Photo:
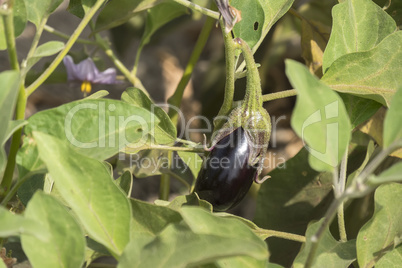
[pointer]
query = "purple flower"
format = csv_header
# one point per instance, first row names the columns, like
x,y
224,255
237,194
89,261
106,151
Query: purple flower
x,y
88,73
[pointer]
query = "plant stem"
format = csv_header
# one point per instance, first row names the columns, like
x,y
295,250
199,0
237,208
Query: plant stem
x,y
279,95
51,30
205,11
88,16
175,99
284,235
21,102
341,190
164,188
230,76
8,21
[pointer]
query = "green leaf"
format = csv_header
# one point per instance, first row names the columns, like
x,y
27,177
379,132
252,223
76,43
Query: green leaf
x,y
296,194
393,124
8,96
13,126
179,246
165,131
189,200
258,17
80,7
193,161
201,221
95,128
40,9
98,94
14,225
358,25
330,253
319,118
393,174
359,109
19,20
244,262
377,236
28,158
30,187
65,246
47,49
392,259
86,185
118,12
159,16
372,74
125,182
151,219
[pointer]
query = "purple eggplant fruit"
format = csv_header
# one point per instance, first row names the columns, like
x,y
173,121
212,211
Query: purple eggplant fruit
x,y
226,175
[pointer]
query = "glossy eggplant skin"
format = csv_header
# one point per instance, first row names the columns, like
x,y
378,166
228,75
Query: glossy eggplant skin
x,y
226,177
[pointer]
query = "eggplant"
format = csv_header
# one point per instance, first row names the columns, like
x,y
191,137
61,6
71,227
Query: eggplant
x,y
226,175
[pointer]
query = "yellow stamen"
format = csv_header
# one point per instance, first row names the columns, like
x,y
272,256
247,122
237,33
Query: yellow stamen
x,y
86,87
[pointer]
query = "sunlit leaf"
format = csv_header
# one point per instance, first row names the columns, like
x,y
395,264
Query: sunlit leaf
x,y
65,246
86,185
372,74
392,259
358,25
319,118
98,128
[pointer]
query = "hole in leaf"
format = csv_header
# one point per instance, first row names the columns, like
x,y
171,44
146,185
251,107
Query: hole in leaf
x,y
256,26
139,129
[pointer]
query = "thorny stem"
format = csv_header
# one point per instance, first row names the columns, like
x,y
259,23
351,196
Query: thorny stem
x,y
341,189
230,76
279,95
88,16
205,11
284,235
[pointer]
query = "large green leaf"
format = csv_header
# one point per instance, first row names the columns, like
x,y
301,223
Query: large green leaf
x,y
8,96
293,196
257,19
373,74
392,259
118,12
319,118
378,235
98,128
19,20
393,123
40,9
65,246
358,25
164,132
330,253
179,245
86,185
14,225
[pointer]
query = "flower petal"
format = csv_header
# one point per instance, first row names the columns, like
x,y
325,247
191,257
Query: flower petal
x,y
71,68
106,77
87,70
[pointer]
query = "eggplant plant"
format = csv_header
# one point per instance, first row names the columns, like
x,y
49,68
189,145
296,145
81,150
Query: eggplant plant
x,y
72,176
